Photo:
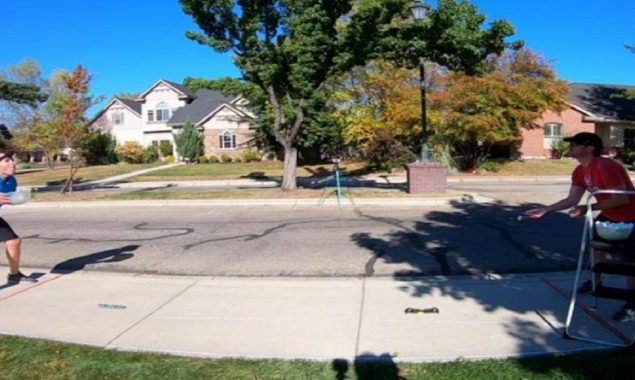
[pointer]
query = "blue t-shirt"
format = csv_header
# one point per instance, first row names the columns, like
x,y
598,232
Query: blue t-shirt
x,y
8,185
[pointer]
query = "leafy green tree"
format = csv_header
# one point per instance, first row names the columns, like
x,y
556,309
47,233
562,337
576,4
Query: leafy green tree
x,y
290,49
27,72
40,134
189,143
227,86
127,95
99,148
21,93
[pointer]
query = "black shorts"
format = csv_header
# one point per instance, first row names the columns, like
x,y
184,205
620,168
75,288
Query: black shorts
x,y
629,242
6,232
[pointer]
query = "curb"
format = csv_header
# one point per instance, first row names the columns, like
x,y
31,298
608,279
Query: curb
x,y
292,202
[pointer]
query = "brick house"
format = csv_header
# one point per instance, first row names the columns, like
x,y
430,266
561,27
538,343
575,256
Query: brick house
x,y
598,108
164,108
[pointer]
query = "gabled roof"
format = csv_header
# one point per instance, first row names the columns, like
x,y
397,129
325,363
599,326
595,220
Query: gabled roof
x,y
182,90
603,102
205,102
133,105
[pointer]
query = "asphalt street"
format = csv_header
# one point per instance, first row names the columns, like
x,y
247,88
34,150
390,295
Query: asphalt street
x,y
285,241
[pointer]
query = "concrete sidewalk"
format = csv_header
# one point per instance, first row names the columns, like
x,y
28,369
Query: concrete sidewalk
x,y
298,318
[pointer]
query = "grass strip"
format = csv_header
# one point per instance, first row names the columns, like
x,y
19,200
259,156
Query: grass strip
x,y
22,358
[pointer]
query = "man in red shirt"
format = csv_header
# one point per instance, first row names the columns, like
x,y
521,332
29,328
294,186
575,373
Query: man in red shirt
x,y
598,173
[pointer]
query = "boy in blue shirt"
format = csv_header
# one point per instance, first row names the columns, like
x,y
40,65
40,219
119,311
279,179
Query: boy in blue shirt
x,y
12,242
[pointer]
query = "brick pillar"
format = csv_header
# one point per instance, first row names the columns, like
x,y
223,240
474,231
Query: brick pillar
x,y
427,177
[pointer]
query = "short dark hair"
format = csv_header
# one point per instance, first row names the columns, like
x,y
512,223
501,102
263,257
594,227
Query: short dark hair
x,y
587,139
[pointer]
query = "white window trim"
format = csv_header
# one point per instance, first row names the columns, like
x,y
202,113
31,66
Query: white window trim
x,y
222,138
550,139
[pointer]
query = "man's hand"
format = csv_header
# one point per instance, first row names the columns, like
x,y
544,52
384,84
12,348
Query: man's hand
x,y
4,200
536,213
577,211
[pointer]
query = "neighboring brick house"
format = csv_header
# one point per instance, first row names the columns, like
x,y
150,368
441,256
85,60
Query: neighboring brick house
x,y
598,108
162,110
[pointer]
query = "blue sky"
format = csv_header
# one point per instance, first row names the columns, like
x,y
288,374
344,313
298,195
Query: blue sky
x,y
129,44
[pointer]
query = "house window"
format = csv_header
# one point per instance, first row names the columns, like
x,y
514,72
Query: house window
x,y
629,138
553,134
150,115
163,112
117,118
227,140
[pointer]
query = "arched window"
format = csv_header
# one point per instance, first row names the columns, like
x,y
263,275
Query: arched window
x,y
227,140
553,134
163,112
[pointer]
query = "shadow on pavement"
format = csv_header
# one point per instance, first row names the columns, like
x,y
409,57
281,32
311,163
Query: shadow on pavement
x,y
108,256
481,239
475,239
368,366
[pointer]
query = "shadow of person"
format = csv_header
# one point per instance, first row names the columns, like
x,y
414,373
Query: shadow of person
x,y
7,285
340,366
369,366
108,256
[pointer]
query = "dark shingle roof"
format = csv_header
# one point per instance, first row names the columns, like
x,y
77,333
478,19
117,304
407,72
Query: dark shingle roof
x,y
604,100
205,102
181,88
132,104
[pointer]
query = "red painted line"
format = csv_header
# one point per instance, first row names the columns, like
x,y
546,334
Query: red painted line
x,y
592,313
30,287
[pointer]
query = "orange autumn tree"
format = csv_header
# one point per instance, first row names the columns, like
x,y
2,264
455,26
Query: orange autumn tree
x,y
380,108
477,112
70,106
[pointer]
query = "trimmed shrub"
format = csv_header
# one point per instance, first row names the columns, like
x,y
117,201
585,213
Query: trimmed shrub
x,y
169,159
203,160
150,154
559,148
387,153
130,152
226,158
213,160
250,155
165,148
491,166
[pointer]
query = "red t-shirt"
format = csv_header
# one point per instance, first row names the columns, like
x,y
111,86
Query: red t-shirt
x,y
605,174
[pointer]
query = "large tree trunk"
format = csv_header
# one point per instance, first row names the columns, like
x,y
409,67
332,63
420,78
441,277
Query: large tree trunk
x,y
289,172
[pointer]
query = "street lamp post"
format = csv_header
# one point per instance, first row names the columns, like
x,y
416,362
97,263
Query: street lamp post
x,y
425,176
419,13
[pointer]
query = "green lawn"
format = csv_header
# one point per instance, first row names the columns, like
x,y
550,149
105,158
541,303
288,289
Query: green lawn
x,y
267,169
273,170
32,359
85,174
262,170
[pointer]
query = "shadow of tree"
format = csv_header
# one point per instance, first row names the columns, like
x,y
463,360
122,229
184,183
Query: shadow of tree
x,y
609,101
255,175
478,239
108,256
76,181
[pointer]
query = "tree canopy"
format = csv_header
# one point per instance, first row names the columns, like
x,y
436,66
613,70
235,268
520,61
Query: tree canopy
x,y
290,49
475,112
21,93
